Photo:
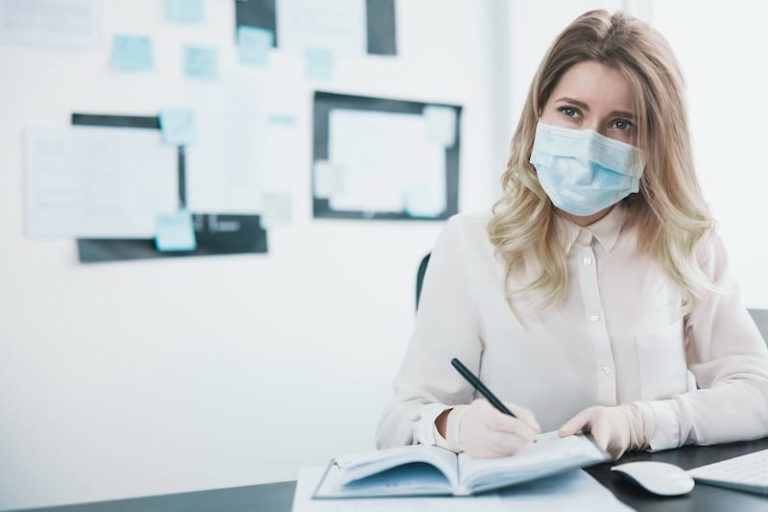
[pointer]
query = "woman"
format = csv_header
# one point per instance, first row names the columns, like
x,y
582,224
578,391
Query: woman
x,y
597,297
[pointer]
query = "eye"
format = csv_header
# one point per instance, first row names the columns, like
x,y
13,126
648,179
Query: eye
x,y
622,124
570,111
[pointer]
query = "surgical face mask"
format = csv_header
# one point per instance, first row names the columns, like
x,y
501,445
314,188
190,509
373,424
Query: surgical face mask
x,y
582,171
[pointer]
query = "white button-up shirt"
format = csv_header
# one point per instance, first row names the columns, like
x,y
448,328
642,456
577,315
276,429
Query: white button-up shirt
x,y
618,336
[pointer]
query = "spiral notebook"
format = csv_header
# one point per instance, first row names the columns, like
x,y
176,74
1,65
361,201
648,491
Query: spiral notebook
x,y
421,470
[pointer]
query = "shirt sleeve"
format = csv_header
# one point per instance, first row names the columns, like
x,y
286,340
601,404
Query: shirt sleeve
x,y
729,358
446,326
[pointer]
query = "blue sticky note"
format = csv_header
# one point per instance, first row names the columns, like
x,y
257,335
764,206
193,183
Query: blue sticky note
x,y
319,65
282,119
131,53
177,126
253,45
175,232
200,62
423,200
185,11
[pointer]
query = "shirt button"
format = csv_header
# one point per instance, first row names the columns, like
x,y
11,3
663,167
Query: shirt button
x,y
595,318
587,260
606,369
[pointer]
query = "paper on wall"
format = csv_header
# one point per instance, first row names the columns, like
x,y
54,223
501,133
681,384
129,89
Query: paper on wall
x,y
338,26
329,179
384,156
276,209
224,164
65,23
94,182
440,125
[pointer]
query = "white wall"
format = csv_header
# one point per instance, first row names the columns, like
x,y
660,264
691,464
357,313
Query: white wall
x,y
154,377
141,378
721,47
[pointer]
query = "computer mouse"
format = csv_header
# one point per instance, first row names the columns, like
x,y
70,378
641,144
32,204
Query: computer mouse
x,y
657,477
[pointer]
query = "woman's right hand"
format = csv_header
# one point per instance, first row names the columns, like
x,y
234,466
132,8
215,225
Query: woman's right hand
x,y
483,432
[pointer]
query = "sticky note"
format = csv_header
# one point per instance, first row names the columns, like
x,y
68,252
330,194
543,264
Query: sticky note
x,y
253,45
282,119
422,200
200,62
329,179
440,125
175,232
185,11
276,209
177,126
131,53
319,64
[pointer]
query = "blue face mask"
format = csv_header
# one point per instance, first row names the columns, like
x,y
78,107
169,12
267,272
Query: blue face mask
x,y
584,172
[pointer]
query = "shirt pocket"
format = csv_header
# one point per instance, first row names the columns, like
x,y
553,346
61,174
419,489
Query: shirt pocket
x,y
662,368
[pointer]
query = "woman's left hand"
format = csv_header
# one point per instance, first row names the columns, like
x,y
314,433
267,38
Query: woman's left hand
x,y
613,428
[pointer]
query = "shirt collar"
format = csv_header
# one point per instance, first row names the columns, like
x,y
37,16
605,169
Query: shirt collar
x,y
605,230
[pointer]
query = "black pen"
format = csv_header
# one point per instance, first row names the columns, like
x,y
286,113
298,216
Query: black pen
x,y
480,387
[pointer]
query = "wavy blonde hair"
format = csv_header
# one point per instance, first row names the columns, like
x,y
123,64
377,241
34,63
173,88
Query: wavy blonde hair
x,y
670,211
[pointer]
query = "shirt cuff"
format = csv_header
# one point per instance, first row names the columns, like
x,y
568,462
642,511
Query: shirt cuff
x,y
666,433
425,431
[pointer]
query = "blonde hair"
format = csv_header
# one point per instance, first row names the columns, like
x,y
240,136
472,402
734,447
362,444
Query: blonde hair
x,y
669,211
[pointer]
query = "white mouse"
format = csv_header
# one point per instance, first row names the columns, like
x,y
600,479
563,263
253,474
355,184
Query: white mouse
x,y
657,477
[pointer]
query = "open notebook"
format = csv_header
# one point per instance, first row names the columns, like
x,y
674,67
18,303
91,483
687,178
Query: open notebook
x,y
421,470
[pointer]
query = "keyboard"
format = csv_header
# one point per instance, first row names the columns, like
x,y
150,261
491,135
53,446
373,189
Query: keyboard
x,y
745,473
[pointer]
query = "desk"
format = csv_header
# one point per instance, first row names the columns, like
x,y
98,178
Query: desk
x,y
278,497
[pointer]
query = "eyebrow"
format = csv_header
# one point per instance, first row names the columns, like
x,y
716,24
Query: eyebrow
x,y
584,106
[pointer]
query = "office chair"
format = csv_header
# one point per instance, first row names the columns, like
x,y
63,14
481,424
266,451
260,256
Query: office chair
x,y
420,276
760,316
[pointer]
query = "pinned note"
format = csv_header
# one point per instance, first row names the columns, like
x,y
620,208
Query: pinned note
x,y
282,119
253,45
319,64
177,126
175,232
422,200
276,210
200,62
131,53
185,11
440,125
329,179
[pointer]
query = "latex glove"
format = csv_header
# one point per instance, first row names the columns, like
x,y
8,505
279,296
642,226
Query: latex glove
x,y
482,431
615,429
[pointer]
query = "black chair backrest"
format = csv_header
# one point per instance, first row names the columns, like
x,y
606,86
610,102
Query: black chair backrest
x,y
420,277
761,319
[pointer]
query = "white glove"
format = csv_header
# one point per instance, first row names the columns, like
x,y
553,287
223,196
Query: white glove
x,y
482,431
615,429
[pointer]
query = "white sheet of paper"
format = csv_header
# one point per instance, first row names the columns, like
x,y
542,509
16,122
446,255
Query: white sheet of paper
x,y
62,23
384,156
97,182
277,209
574,491
336,25
329,179
310,477
223,169
440,125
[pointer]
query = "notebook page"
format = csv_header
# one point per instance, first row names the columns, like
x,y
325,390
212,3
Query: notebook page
x,y
549,455
361,465
310,477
